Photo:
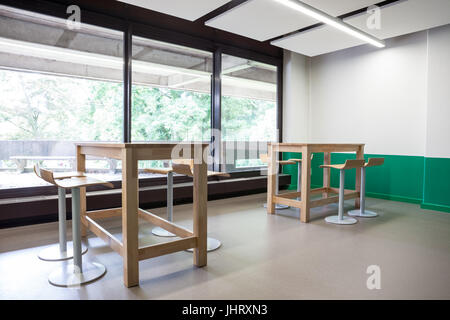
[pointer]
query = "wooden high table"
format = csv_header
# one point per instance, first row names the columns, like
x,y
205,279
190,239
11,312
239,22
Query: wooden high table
x,y
305,203
128,248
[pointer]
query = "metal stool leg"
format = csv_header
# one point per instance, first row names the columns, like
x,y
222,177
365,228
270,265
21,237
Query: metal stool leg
x,y
362,212
79,272
158,231
340,218
277,188
64,250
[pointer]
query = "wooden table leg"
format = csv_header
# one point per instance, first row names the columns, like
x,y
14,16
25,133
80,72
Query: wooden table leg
x,y
81,166
359,155
271,179
130,228
200,213
326,173
306,184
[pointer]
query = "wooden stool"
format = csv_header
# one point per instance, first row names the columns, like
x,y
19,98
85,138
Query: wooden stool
x,y
362,212
349,164
63,250
79,272
184,167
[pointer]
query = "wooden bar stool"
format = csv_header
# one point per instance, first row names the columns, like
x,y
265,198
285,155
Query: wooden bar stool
x,y
79,272
184,167
265,159
63,250
349,164
362,212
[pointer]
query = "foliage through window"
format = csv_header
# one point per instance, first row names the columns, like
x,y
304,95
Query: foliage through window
x,y
59,86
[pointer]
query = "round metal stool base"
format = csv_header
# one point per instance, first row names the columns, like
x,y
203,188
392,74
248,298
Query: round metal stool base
x,y
366,214
160,232
345,220
213,244
66,277
54,254
278,206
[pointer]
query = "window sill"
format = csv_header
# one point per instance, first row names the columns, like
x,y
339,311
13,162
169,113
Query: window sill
x,y
33,209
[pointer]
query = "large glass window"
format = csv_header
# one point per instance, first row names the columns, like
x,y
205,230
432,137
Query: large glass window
x,y
60,85
57,86
171,93
249,108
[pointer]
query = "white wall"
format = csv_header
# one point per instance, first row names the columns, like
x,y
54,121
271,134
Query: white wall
x,y
295,97
438,116
396,99
377,97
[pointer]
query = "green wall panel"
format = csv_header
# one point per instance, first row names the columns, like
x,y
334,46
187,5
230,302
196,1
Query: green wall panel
x,y
400,178
436,191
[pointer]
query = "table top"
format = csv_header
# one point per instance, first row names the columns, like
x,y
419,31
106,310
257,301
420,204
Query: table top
x,y
122,145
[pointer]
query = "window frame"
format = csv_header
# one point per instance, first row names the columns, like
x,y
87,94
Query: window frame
x,y
132,25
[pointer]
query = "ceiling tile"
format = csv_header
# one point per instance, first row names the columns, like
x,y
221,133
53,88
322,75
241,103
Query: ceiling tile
x,y
397,19
267,19
186,9
406,17
318,41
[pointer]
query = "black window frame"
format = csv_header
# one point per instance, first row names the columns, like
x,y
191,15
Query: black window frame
x,y
130,20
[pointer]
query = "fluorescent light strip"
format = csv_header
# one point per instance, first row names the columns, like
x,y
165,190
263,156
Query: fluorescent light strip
x,y
331,21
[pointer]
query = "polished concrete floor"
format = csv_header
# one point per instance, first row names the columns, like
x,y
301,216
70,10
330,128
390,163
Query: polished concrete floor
x,y
263,257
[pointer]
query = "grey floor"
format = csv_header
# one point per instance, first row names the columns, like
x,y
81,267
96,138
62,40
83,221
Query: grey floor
x,y
263,257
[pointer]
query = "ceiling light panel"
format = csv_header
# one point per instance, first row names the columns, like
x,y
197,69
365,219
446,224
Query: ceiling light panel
x,y
267,19
318,41
406,17
396,19
186,9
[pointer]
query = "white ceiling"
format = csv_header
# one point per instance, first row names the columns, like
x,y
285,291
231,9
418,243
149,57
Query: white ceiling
x,y
406,17
397,19
267,19
186,9
318,41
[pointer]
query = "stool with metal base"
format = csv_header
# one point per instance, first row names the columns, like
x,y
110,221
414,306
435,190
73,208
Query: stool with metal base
x,y
265,158
63,250
362,212
299,174
183,167
340,218
79,272
158,231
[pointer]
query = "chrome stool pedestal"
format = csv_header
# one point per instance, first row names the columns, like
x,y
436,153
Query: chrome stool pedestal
x,y
78,272
340,218
183,167
362,212
63,250
158,231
